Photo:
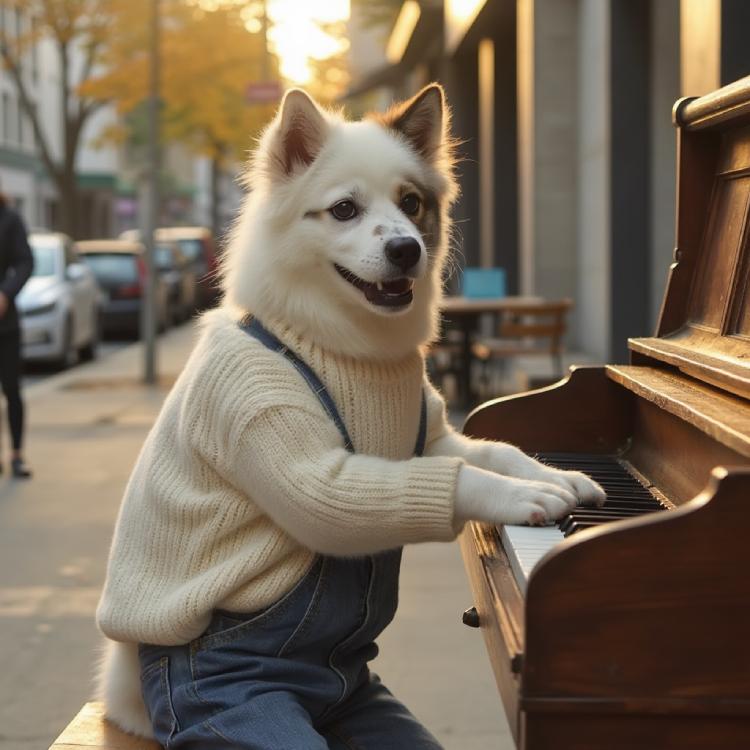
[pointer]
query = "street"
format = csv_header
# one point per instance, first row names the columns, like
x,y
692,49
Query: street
x,y
86,426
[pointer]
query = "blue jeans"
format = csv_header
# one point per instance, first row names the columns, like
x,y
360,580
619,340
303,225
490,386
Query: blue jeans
x,y
293,676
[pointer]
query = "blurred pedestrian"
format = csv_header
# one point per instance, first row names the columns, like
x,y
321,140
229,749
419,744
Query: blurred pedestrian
x,y
16,264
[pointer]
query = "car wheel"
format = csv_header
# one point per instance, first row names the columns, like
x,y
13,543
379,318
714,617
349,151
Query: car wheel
x,y
68,354
88,352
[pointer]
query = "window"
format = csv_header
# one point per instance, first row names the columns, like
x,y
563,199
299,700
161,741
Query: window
x,y
45,257
5,134
11,136
112,268
21,118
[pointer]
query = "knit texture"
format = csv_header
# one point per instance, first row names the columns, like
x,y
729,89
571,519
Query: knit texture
x,y
244,478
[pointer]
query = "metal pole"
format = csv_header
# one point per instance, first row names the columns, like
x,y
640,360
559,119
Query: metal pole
x,y
152,206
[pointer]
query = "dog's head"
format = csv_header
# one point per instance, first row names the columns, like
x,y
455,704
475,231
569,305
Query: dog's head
x,y
343,235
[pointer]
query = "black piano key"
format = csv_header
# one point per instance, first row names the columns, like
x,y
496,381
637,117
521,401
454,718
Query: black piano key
x,y
579,525
638,507
626,496
594,518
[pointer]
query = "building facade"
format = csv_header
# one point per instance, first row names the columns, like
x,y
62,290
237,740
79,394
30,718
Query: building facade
x,y
568,168
22,174
109,177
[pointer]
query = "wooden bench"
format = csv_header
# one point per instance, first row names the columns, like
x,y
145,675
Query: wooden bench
x,y
91,730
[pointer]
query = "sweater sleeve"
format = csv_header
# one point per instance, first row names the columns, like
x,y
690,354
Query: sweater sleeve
x,y
293,465
21,260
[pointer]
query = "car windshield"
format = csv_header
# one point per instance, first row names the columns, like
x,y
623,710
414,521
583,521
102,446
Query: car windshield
x,y
163,257
45,257
112,267
192,249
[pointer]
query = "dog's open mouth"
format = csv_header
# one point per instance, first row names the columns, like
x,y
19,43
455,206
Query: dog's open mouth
x,y
383,293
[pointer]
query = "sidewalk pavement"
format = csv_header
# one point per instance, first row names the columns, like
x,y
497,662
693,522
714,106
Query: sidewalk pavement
x,y
86,427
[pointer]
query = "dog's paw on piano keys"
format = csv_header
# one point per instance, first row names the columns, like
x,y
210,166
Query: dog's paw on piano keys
x,y
583,487
485,496
509,461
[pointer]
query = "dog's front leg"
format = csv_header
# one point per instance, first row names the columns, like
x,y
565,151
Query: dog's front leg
x,y
506,459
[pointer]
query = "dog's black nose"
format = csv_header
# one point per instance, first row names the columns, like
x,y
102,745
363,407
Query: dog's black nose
x,y
403,252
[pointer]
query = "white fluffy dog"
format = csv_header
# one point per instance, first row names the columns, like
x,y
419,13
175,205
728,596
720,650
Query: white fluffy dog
x,y
344,237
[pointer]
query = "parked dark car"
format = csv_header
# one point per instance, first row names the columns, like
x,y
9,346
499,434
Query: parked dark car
x,y
179,275
199,248
120,269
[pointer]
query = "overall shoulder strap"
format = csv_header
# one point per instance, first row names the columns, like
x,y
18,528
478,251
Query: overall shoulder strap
x,y
422,433
256,329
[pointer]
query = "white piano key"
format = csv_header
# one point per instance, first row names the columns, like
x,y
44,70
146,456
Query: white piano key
x,y
526,545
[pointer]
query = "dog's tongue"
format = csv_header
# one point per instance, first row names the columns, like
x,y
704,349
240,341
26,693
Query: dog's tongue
x,y
396,292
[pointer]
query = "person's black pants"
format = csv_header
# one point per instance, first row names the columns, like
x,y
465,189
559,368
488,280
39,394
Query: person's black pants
x,y
10,380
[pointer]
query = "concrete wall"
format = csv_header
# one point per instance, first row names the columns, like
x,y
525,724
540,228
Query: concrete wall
x,y
548,140
19,186
21,172
592,321
556,95
665,90
700,26
594,88
94,156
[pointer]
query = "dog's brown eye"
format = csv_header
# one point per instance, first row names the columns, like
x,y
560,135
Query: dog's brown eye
x,y
410,204
343,210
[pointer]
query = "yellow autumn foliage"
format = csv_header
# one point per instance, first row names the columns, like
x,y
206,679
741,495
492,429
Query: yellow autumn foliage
x,y
208,59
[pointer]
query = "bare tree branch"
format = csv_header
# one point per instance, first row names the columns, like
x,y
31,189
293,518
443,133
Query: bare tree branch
x,y
88,66
29,108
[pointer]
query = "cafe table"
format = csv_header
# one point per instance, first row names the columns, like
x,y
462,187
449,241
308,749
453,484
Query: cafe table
x,y
466,312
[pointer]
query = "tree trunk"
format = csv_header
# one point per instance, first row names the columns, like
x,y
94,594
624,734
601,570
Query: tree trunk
x,y
67,186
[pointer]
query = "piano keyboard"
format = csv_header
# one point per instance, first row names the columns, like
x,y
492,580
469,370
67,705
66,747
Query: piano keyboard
x,y
626,497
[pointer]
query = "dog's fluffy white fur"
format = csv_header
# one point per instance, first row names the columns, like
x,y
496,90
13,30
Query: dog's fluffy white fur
x,y
118,687
281,264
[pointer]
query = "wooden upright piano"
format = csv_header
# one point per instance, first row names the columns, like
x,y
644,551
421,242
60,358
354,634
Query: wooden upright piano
x,y
629,626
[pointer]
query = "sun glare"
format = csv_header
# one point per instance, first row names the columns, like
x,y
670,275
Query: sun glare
x,y
297,34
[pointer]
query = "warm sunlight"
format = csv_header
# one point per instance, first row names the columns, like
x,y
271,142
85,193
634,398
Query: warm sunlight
x,y
298,33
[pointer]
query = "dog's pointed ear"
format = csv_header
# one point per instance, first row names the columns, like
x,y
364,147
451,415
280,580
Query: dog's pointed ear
x,y
301,131
421,120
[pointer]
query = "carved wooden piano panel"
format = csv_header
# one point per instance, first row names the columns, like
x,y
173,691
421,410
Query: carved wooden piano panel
x,y
629,627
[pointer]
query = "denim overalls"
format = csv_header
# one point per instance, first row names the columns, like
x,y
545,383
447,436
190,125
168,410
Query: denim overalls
x,y
293,676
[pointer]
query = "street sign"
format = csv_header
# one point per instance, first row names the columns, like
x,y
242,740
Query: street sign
x,y
263,92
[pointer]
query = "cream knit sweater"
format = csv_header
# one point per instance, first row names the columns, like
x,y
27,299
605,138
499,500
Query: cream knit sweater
x,y
244,477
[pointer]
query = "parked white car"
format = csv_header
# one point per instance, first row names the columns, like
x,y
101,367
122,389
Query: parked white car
x,y
60,304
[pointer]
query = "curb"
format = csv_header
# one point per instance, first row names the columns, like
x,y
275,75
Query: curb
x,y
129,355
62,379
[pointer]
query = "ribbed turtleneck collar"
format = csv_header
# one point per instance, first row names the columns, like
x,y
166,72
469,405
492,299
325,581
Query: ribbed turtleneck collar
x,y
315,355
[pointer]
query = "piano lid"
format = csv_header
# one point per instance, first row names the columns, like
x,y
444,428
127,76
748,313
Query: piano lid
x,y
704,326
